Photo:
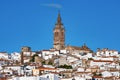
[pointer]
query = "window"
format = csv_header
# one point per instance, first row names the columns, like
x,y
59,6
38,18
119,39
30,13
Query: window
x,y
56,33
62,33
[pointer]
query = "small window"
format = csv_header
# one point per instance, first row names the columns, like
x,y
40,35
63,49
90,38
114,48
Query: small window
x,y
56,33
47,76
62,33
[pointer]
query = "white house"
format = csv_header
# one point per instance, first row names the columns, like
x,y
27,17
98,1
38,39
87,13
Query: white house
x,y
47,54
16,56
3,55
106,74
99,62
107,52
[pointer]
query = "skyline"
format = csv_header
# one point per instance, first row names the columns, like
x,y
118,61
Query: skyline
x,y
30,23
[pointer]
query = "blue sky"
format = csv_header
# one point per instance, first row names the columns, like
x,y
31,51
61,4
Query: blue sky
x,y
31,22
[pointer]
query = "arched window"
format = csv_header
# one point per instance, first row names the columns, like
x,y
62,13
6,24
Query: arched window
x,y
56,33
62,33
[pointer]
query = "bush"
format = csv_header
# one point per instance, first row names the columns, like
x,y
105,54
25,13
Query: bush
x,y
65,66
50,63
90,58
33,58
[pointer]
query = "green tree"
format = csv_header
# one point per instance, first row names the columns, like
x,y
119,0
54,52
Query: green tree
x,y
90,58
50,63
65,66
43,62
33,58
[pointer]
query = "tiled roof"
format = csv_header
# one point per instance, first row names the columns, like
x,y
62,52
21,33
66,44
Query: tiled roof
x,y
78,48
102,61
46,68
97,76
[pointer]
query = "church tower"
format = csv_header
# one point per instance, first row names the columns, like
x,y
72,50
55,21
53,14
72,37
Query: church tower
x,y
59,34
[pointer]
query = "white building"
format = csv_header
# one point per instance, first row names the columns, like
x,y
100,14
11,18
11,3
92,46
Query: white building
x,y
99,62
49,76
107,52
4,55
47,54
16,56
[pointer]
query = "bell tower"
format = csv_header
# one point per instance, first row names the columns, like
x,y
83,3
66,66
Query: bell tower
x,y
59,34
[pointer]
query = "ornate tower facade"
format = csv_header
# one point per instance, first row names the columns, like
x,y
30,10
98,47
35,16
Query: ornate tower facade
x,y
59,34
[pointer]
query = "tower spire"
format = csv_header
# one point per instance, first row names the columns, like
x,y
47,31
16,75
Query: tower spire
x,y
59,18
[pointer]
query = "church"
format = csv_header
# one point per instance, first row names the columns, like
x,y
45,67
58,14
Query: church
x,y
58,45
59,38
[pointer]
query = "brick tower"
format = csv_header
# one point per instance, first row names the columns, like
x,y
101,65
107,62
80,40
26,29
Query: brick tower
x,y
59,34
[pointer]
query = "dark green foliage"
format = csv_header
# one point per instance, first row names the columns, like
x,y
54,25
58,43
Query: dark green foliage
x,y
95,74
90,58
50,63
100,74
43,62
33,58
65,66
